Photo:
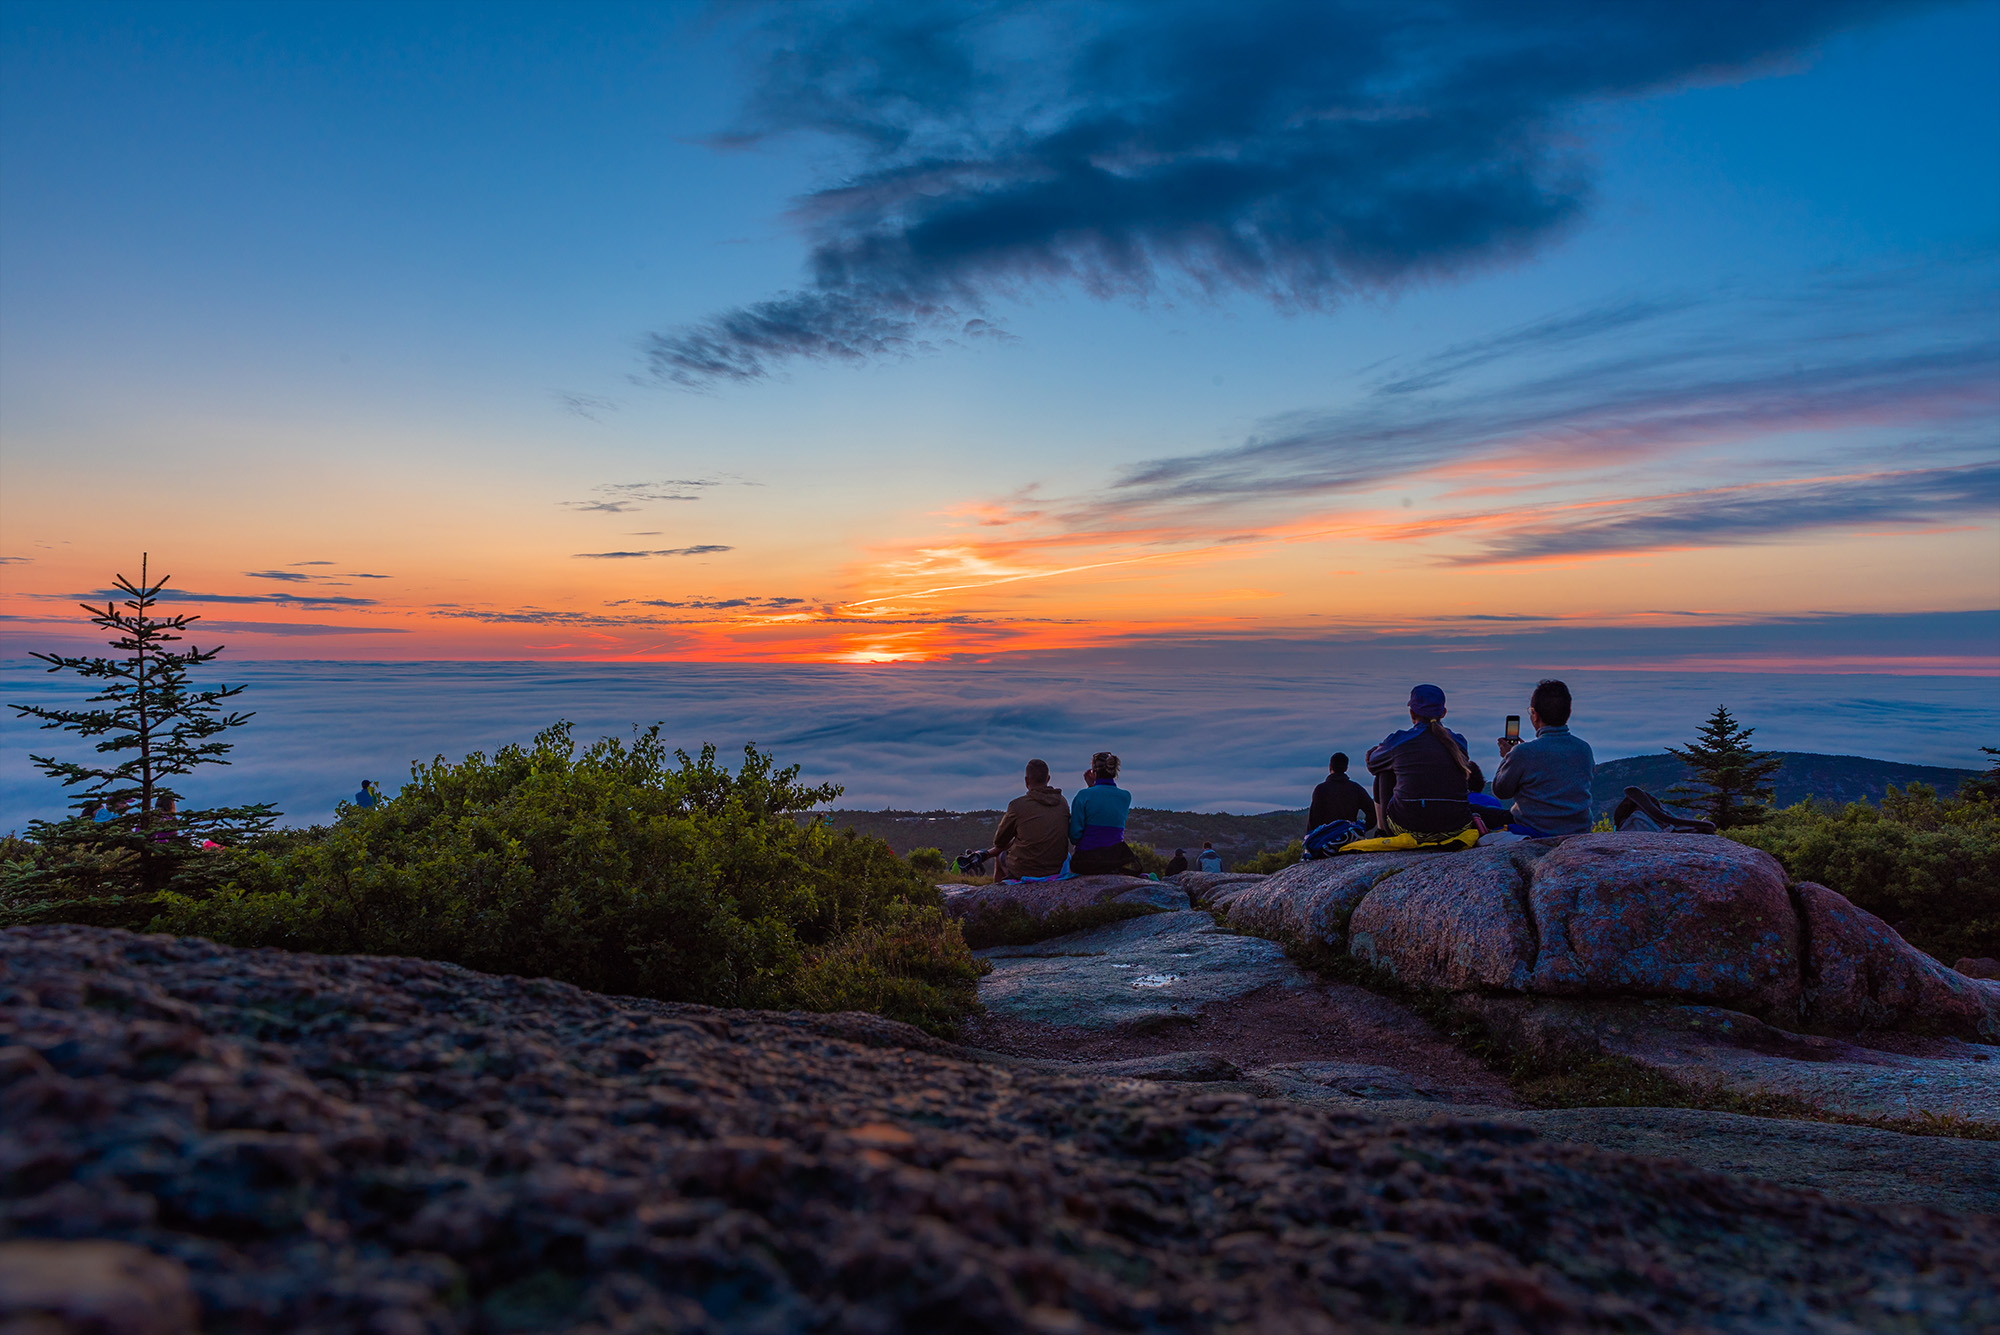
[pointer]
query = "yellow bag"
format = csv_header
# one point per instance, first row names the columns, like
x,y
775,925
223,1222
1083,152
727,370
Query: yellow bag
x,y
1405,843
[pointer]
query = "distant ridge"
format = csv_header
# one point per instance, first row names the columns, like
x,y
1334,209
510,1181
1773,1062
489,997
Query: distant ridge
x,y
1836,779
1805,774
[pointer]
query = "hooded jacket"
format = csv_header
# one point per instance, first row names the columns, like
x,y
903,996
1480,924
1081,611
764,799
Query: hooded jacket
x,y
1034,834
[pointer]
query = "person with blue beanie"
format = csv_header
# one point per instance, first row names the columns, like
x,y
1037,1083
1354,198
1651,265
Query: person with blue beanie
x,y
1423,775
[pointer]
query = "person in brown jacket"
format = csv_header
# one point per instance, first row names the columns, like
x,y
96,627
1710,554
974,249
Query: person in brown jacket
x,y
1033,838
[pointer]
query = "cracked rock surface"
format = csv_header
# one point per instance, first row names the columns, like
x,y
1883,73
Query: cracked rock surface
x,y
348,1144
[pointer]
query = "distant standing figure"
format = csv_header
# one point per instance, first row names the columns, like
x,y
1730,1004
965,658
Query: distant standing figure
x,y
1339,798
1548,778
369,794
1210,859
1033,838
1179,863
166,815
1097,821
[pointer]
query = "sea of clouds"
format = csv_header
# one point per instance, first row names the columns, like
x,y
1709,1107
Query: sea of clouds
x,y
1197,729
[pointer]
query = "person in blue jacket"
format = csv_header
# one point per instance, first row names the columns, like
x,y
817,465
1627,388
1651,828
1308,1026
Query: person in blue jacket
x,y
1423,775
1097,822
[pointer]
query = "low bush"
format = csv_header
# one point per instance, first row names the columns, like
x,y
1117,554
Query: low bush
x,y
624,869
929,861
1013,925
1929,867
1273,859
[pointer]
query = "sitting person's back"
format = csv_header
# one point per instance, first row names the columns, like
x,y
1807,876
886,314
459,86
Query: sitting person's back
x,y
1097,821
1549,777
1033,838
1423,774
1210,859
1339,798
1179,863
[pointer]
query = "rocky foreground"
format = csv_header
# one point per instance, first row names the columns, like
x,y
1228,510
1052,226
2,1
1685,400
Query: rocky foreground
x,y
258,1141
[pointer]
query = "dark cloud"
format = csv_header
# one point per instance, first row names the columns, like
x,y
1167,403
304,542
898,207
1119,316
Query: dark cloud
x,y
189,596
16,560
362,574
296,628
289,576
704,549
713,604
1919,498
587,406
312,563
617,498
1298,150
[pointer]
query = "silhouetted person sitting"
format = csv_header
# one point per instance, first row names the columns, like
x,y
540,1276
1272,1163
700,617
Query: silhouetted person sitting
x,y
1549,777
1097,822
1339,798
1178,863
369,795
1033,838
1422,774
1210,859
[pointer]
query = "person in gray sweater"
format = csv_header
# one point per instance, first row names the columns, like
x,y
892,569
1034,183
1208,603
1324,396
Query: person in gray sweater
x,y
1548,778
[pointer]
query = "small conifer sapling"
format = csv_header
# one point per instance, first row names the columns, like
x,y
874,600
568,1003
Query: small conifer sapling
x,y
154,725
1730,779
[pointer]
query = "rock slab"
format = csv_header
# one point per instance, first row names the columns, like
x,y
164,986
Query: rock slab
x,y
1861,975
452,1152
1039,899
1151,969
1458,922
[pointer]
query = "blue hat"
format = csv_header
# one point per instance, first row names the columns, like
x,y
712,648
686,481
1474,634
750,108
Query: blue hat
x,y
1426,702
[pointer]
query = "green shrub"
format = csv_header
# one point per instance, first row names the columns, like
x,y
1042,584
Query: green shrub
x,y
1012,925
1152,862
929,861
623,869
1274,859
1928,867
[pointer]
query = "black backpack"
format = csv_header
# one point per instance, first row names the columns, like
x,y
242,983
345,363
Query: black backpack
x,y
1640,810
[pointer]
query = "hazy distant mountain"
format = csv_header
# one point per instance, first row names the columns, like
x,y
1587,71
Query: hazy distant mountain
x,y
1805,774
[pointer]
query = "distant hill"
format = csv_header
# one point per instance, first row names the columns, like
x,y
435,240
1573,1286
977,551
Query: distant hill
x,y
1836,779
1830,778
1235,837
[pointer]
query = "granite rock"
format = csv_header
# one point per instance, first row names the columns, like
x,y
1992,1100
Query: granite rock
x,y
1696,917
1310,902
1456,923
480,1153
1861,975
1039,899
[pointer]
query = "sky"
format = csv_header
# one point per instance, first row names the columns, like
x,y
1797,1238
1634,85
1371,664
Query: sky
x,y
979,333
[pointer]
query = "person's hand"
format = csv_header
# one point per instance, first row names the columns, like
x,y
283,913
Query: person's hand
x,y
1508,744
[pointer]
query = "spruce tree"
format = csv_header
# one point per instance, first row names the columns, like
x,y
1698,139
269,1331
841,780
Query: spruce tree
x,y
1729,777
1984,787
155,726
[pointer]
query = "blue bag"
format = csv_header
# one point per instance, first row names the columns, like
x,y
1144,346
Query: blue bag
x,y
1328,839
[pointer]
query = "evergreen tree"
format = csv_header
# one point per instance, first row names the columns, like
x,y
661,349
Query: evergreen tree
x,y
1984,786
155,726
1729,777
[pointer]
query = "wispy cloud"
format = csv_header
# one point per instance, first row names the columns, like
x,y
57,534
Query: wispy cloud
x,y
1759,512
1298,152
171,595
617,498
704,549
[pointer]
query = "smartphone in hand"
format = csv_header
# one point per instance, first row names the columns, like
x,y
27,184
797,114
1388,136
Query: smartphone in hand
x,y
1514,727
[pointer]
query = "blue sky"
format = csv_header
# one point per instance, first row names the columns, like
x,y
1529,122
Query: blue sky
x,y
861,332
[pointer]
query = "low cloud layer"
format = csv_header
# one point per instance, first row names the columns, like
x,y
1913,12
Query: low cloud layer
x,y
704,549
1301,151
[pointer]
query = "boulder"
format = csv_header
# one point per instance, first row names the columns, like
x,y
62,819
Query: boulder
x,y
1861,975
1979,968
1458,922
1696,917
92,1287
1212,889
1039,899
1311,901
